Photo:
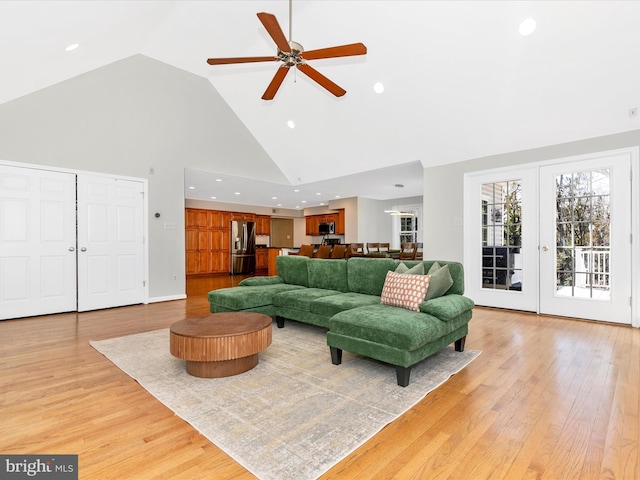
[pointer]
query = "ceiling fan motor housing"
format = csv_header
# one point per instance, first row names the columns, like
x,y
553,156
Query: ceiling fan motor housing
x,y
293,57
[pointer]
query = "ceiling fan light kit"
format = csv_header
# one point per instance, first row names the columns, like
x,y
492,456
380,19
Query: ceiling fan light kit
x,y
291,54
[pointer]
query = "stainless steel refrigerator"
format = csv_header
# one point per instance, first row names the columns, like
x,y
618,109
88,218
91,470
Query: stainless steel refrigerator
x,y
243,247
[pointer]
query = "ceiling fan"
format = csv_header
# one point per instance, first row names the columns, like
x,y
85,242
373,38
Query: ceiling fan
x,y
291,54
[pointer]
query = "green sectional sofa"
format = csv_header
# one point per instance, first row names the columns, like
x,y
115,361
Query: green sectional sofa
x,y
343,296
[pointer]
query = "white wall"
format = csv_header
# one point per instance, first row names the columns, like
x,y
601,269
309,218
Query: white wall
x,y
443,187
126,118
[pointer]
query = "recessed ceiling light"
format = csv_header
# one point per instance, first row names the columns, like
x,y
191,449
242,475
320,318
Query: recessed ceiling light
x,y
290,124
378,87
192,188
72,47
318,194
279,205
304,201
213,198
337,196
321,203
296,190
237,193
527,27
274,198
218,179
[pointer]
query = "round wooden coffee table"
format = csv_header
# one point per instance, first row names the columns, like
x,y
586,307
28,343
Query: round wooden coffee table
x,y
220,344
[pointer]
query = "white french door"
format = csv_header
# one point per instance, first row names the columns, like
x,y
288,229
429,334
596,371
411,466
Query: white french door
x,y
500,240
585,239
110,242
553,238
37,242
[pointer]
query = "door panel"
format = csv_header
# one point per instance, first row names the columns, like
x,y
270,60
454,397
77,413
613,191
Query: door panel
x,y
110,240
37,242
501,239
585,233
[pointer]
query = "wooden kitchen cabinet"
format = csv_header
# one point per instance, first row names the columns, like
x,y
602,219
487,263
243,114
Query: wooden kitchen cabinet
x,y
261,259
311,225
313,222
243,217
340,222
207,239
263,225
220,220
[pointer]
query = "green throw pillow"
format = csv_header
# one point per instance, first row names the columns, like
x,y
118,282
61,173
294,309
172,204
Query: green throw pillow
x,y
415,270
440,282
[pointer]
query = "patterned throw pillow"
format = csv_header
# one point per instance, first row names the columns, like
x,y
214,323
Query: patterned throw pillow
x,y
404,290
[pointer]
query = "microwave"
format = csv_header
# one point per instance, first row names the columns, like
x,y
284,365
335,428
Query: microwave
x,y
327,228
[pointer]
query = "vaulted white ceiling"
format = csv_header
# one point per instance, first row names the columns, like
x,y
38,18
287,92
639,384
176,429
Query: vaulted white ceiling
x,y
460,81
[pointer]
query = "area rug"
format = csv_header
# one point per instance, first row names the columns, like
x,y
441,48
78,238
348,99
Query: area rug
x,y
295,415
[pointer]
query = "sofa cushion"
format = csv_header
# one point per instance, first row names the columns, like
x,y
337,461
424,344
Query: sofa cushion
x,y
333,304
329,274
404,290
253,281
301,299
244,298
394,326
447,308
366,275
440,282
293,269
417,269
457,274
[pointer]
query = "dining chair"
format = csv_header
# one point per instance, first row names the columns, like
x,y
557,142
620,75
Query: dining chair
x,y
418,255
323,251
373,247
356,250
306,251
407,251
338,251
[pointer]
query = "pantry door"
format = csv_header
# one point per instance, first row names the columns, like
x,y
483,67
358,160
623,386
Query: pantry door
x,y
37,242
110,242
585,238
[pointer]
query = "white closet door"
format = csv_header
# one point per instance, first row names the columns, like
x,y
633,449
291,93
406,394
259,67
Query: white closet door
x,y
110,242
37,242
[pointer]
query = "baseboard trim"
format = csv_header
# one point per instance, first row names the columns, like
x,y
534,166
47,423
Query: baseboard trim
x,y
167,298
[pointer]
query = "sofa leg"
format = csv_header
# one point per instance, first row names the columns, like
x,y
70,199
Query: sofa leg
x,y
403,374
280,321
460,344
336,355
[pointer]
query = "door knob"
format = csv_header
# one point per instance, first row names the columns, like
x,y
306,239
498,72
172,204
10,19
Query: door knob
x,y
83,249
545,248
71,249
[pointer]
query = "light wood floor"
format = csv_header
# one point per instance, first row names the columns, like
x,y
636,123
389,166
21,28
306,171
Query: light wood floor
x,y
549,398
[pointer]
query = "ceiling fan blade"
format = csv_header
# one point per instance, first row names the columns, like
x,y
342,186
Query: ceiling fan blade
x,y
277,80
323,81
272,26
225,61
332,52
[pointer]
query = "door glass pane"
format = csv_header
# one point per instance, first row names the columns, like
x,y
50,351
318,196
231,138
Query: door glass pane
x,y
501,214
582,234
